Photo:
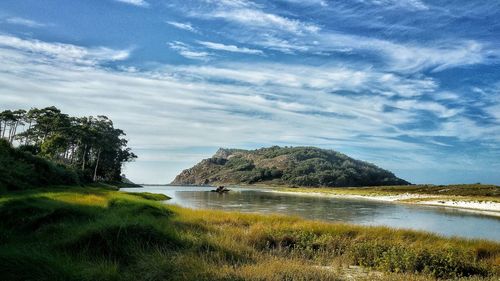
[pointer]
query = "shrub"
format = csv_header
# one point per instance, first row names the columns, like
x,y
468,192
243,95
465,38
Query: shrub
x,y
22,170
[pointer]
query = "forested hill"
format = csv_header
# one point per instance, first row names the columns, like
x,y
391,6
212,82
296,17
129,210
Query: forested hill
x,y
40,147
295,166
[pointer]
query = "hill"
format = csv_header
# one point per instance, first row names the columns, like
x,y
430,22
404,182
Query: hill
x,y
296,166
22,170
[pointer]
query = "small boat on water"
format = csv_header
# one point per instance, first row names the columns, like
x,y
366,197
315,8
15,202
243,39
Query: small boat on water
x,y
220,189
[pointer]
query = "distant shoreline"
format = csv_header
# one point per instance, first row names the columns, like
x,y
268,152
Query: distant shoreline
x,y
489,208
479,205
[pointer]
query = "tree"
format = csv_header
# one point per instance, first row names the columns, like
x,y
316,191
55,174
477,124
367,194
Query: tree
x,y
89,144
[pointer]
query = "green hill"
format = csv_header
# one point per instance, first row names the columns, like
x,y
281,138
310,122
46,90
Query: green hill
x,y
22,170
296,166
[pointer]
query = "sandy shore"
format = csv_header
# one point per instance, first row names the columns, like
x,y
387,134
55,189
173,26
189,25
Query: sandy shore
x,y
482,207
486,207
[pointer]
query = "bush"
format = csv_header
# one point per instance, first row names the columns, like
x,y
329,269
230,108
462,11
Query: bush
x,y
22,170
384,255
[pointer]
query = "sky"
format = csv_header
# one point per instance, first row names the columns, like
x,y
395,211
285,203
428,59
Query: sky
x,y
412,86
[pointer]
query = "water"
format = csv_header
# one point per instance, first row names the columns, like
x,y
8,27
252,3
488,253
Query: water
x,y
441,220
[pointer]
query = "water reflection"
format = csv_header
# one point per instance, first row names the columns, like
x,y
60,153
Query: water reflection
x,y
445,221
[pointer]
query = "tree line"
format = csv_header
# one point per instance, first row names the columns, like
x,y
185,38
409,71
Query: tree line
x,y
90,145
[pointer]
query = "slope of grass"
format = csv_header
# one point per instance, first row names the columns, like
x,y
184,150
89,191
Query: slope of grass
x,y
21,170
101,234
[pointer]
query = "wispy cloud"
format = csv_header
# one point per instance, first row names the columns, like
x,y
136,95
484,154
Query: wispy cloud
x,y
412,57
24,22
64,52
322,3
184,26
230,48
251,15
406,4
139,3
393,82
260,27
187,51
231,104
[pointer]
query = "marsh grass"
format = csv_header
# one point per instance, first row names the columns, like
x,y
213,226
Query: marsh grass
x,y
482,192
101,234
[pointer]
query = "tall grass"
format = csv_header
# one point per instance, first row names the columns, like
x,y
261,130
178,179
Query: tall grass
x,y
100,234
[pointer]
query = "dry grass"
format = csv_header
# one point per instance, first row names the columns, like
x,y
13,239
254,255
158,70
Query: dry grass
x,y
99,234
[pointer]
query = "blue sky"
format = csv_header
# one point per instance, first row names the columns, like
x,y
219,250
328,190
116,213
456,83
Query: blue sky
x,y
410,85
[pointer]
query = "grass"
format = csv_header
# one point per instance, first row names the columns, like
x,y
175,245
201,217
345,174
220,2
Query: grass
x,y
22,170
97,233
470,192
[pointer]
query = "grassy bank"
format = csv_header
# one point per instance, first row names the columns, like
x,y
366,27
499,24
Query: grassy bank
x,y
478,192
101,234
22,170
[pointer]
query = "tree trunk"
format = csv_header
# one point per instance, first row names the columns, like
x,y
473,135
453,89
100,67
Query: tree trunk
x,y
4,129
83,157
97,164
72,155
26,141
11,132
14,132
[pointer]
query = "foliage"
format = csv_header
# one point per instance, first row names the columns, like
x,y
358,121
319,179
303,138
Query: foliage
x,y
90,145
300,166
22,170
98,234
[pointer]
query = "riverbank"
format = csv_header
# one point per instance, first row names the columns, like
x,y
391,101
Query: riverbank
x,y
101,234
484,202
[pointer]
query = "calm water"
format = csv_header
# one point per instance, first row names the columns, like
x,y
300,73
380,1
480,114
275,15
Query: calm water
x,y
441,220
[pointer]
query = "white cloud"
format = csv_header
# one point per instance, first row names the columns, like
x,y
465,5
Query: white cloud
x,y
230,48
184,26
139,3
283,45
406,4
494,110
64,52
325,78
400,57
254,17
232,3
187,51
24,22
321,3
232,105
276,32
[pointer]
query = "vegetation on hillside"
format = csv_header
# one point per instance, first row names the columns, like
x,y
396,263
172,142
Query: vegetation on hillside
x,y
100,234
88,146
22,170
299,166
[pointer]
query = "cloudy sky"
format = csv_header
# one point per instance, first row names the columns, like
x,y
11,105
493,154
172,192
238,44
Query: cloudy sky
x,y
410,85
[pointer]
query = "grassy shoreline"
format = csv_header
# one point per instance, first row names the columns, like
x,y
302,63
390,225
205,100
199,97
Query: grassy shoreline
x,y
102,234
483,199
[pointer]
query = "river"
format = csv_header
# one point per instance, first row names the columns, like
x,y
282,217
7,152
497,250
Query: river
x,y
441,220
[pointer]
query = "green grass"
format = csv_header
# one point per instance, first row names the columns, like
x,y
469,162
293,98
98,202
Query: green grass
x,y
151,196
21,170
101,234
